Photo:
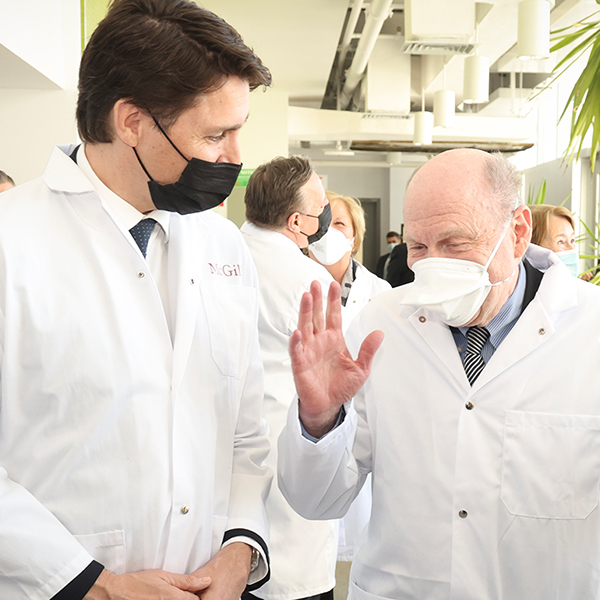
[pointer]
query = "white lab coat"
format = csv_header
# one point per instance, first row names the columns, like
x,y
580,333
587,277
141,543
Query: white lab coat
x,y
364,288
303,553
108,428
523,463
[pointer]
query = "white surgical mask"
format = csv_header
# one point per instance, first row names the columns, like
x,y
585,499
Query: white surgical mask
x,y
453,289
331,247
571,260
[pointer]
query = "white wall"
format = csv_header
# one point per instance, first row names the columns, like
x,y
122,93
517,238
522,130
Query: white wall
x,y
42,39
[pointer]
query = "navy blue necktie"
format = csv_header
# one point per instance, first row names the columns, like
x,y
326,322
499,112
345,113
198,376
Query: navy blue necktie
x,y
474,363
141,233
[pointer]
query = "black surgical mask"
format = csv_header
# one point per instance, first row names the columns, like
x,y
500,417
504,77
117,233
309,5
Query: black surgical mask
x,y
201,186
324,222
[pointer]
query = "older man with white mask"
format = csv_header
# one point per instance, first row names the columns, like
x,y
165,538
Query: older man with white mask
x,y
480,422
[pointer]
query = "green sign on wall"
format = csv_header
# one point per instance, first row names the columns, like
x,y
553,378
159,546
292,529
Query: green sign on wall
x,y
242,180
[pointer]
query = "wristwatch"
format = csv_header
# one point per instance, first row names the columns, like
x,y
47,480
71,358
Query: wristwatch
x,y
255,560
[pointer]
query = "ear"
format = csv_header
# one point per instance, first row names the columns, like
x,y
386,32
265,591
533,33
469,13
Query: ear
x,y
293,223
129,122
522,230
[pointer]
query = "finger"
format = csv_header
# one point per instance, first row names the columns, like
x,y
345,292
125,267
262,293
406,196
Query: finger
x,y
189,583
368,349
305,317
317,316
334,306
295,346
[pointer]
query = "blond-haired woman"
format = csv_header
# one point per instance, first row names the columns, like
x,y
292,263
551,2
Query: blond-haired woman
x,y
553,227
359,286
335,252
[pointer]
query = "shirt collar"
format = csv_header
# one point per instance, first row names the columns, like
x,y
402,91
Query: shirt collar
x,y
501,325
127,215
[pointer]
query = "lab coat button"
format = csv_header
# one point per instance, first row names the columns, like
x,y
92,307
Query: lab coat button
x,y
185,509
462,514
541,331
141,274
422,319
469,405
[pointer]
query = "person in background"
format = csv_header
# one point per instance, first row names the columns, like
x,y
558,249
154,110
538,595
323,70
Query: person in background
x,y
335,252
554,228
131,444
480,420
6,182
393,239
398,272
287,210
359,287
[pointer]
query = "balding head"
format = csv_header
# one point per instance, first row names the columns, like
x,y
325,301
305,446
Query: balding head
x,y
458,205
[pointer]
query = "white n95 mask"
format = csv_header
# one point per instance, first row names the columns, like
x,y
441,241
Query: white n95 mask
x,y
331,247
571,260
452,288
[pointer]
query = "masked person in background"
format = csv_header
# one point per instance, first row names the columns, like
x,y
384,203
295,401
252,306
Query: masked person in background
x,y
358,287
336,250
480,421
554,228
287,210
131,441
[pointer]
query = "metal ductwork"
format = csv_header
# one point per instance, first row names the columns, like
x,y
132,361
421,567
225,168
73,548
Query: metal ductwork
x,y
377,12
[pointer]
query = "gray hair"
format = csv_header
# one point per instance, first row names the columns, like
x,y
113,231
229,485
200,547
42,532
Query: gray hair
x,y
504,181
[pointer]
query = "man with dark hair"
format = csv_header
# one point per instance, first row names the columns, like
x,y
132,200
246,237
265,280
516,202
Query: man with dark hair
x,y
6,182
286,210
392,239
131,443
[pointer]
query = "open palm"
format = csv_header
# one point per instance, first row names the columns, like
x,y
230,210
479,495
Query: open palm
x,y
325,374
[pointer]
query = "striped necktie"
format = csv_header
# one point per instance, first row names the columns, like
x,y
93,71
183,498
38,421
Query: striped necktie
x,y
474,363
141,233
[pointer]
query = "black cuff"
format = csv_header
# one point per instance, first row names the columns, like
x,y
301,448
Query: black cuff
x,y
81,585
234,533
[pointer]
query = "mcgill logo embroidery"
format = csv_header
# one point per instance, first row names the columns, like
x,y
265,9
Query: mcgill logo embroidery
x,y
225,270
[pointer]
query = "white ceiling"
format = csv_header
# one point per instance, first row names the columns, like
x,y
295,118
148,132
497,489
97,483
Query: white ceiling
x,y
298,39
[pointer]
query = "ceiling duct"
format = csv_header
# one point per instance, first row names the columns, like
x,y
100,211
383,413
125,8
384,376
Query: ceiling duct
x,y
439,26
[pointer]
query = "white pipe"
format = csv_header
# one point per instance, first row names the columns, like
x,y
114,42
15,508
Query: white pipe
x,y
377,13
349,32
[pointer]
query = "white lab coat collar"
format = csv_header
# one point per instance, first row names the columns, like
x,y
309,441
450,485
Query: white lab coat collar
x,y
63,174
274,237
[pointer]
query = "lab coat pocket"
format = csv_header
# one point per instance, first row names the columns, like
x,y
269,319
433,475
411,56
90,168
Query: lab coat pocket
x,y
355,592
218,531
231,315
550,465
108,548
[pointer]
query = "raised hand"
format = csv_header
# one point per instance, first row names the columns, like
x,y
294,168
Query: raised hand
x,y
324,373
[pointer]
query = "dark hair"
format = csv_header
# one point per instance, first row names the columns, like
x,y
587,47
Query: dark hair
x,y
161,55
273,192
392,234
5,178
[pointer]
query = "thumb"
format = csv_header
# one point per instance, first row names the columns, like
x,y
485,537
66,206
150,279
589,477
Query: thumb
x,y
368,349
189,583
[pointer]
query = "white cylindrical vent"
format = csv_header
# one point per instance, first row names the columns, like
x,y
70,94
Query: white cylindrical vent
x,y
443,108
533,40
423,131
476,83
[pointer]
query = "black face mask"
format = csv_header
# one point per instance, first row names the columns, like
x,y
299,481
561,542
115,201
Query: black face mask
x,y
324,222
201,186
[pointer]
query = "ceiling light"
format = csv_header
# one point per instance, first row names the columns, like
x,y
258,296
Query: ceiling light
x,y
533,40
423,129
476,83
443,108
339,150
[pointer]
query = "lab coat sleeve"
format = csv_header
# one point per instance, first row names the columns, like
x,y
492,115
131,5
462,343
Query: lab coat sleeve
x,y
251,479
320,480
